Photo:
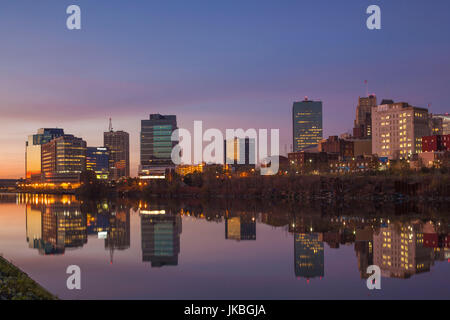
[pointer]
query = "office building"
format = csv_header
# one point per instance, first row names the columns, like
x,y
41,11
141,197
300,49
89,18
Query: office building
x,y
443,120
97,160
436,143
240,153
63,160
363,120
307,124
398,129
33,167
361,147
341,147
118,144
309,162
156,146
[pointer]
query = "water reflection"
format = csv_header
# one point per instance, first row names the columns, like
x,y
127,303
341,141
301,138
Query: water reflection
x,y
160,233
403,240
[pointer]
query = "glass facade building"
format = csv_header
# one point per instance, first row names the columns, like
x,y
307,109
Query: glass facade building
x,y
63,160
33,147
307,124
156,144
97,160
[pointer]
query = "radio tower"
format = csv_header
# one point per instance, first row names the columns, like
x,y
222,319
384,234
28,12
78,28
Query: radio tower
x,y
366,82
110,125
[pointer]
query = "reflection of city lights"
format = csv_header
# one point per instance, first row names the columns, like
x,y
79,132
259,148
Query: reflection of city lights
x,y
153,212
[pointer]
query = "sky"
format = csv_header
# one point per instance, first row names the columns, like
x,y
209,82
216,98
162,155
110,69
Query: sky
x,y
230,64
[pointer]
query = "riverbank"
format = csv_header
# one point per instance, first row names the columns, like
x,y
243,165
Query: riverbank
x,y
414,187
17,285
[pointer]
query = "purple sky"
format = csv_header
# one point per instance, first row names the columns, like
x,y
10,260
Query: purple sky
x,y
230,63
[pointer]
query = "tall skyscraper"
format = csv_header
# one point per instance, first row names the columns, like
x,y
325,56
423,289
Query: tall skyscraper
x,y
156,145
63,159
118,144
307,124
97,160
363,120
398,129
33,168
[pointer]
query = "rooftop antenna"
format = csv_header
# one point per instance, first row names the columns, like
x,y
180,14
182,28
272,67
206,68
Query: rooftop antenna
x,y
110,125
366,82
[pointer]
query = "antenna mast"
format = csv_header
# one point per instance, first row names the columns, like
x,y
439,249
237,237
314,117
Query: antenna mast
x,y
110,125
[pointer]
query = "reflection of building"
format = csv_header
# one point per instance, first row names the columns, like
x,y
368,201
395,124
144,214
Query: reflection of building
x,y
242,227
34,226
364,250
119,231
363,121
309,255
34,144
118,144
54,226
398,129
400,251
97,160
160,234
156,145
307,124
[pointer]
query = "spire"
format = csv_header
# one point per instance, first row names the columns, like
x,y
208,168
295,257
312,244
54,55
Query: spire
x,y
110,125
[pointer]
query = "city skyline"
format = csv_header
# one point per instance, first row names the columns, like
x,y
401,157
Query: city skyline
x,y
135,68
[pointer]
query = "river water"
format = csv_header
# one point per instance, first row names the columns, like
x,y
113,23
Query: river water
x,y
227,249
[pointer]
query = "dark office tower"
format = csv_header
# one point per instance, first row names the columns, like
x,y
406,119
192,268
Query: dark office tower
x,y
33,168
156,145
307,124
239,152
309,255
118,144
160,238
97,160
63,159
363,121
242,227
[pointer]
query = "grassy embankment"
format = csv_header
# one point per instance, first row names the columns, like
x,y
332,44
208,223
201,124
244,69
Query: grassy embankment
x,y
17,285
